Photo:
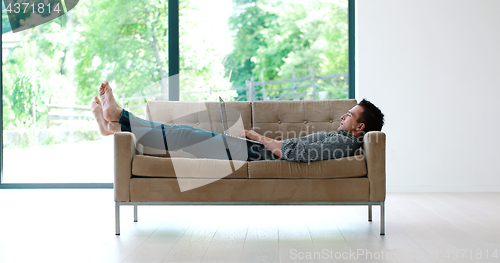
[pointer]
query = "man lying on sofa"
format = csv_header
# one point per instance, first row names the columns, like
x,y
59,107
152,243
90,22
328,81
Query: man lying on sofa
x,y
362,118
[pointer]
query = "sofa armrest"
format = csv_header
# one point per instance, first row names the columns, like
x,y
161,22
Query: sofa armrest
x,y
374,149
124,152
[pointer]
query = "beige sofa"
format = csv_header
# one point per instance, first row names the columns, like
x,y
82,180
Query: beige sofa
x,y
144,176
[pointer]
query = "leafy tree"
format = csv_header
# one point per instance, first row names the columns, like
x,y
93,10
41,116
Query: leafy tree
x,y
132,50
26,92
276,39
248,23
123,41
31,74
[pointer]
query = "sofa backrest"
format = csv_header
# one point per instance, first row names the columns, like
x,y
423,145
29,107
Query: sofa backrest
x,y
274,119
288,119
204,115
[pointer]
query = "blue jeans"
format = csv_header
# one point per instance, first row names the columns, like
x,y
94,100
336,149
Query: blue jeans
x,y
196,142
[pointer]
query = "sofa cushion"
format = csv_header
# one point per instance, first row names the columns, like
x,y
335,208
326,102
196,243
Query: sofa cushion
x,y
150,166
258,190
288,119
354,166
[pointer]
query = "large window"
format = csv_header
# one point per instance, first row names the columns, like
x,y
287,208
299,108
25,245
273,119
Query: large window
x,y
239,49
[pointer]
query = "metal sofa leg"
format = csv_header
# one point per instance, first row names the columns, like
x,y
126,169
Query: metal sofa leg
x,y
382,218
117,218
370,213
135,213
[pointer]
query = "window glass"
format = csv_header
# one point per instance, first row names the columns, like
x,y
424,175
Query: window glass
x,y
51,72
264,49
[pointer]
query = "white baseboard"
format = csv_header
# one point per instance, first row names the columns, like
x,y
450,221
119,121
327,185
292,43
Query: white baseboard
x,y
442,188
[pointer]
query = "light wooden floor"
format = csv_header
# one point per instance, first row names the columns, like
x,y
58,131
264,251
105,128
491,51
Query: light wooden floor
x,y
78,226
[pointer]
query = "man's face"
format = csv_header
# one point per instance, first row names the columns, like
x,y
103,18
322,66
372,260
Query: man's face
x,y
349,121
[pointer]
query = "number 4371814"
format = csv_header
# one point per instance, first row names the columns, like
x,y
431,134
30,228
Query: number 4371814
x,y
30,8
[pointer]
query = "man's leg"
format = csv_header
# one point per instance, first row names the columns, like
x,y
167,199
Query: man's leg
x,y
197,142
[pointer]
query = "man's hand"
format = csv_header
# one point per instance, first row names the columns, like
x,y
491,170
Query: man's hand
x,y
251,134
273,145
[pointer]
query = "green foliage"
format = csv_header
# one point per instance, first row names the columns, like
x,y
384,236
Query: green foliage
x,y
24,96
31,74
123,41
248,23
277,38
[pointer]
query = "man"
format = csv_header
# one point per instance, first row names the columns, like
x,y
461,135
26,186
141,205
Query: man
x,y
362,118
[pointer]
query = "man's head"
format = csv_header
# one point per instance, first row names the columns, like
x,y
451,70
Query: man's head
x,y
362,118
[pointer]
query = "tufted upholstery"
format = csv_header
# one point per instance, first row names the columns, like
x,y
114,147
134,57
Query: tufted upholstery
x,y
204,115
275,119
288,119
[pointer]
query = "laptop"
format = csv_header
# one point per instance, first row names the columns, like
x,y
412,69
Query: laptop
x,y
225,127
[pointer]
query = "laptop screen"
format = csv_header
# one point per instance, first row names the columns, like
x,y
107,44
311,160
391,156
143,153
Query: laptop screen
x,y
223,115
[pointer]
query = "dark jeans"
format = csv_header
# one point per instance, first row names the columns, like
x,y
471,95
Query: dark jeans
x,y
196,142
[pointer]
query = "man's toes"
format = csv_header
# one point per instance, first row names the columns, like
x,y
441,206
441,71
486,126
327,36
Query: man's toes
x,y
95,101
102,89
107,87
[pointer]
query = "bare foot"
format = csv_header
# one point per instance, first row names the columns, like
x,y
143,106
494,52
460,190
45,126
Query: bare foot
x,y
98,115
111,110
114,127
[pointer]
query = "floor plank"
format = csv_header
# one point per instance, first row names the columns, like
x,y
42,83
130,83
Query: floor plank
x,y
227,244
326,236
163,239
295,244
195,241
261,243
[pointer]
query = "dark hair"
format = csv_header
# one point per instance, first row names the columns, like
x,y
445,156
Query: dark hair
x,y
372,117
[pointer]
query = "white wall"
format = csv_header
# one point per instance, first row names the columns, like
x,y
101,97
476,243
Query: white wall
x,y
433,67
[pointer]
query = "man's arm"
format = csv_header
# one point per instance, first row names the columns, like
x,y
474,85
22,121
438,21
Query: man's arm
x,y
273,145
319,146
